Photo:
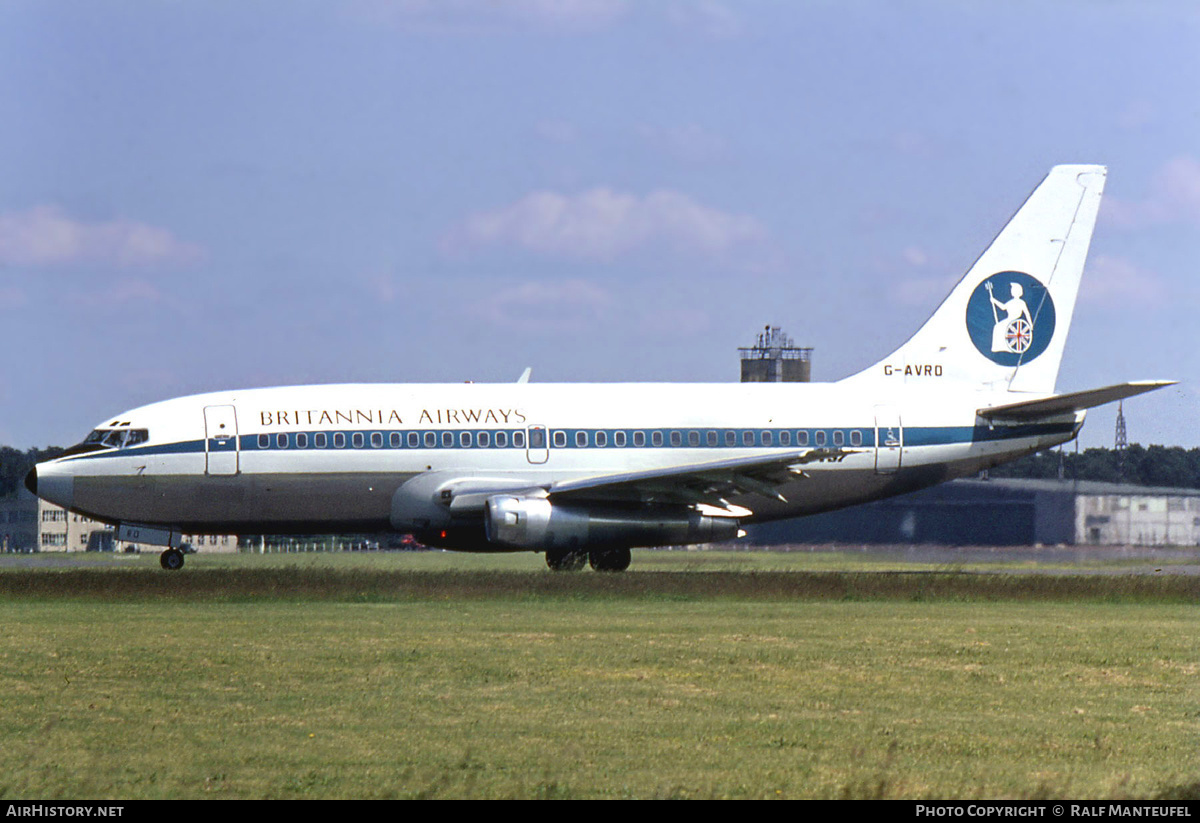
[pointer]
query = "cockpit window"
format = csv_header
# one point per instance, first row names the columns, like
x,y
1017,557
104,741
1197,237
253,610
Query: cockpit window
x,y
117,438
105,439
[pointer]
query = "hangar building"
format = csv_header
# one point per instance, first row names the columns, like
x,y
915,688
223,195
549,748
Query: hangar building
x,y
1007,512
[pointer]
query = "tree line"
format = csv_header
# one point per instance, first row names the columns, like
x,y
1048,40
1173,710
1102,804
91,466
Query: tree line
x,y
1137,465
15,464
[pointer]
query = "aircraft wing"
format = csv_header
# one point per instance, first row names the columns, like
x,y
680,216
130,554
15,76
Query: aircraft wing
x,y
1072,402
700,483
695,484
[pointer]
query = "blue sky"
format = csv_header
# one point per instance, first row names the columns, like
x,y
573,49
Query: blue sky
x,y
207,195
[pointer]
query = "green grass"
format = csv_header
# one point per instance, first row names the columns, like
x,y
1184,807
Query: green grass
x,y
321,677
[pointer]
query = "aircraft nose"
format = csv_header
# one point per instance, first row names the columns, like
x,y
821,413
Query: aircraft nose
x,y
47,483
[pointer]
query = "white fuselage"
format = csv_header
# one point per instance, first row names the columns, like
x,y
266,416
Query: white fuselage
x,y
322,459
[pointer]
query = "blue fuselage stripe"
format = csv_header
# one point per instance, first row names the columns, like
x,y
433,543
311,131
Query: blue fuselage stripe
x,y
557,439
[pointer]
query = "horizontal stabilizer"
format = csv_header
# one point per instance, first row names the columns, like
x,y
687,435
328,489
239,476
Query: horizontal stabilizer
x,y
1073,402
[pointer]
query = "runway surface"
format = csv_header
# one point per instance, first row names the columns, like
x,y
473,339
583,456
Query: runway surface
x,y
1061,560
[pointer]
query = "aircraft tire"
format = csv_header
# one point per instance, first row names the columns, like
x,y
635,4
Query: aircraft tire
x,y
565,560
609,560
171,560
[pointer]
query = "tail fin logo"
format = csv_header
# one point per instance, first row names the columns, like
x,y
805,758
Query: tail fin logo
x,y
1010,318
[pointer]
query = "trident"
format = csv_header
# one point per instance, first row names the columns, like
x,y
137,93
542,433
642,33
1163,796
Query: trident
x,y
988,286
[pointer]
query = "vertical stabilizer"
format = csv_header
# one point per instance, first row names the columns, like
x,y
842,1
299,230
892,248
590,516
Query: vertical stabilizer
x,y
1005,324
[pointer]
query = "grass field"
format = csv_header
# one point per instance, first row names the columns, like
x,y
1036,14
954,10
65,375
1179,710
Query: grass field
x,y
432,675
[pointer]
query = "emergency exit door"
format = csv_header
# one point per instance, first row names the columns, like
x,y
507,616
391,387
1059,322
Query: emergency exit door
x,y
889,439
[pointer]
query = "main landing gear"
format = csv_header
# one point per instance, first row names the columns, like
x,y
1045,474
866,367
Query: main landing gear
x,y
171,560
609,560
602,560
565,560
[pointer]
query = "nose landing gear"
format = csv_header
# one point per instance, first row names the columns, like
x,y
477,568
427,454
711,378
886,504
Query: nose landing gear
x,y
171,560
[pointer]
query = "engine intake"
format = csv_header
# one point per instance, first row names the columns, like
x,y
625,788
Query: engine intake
x,y
538,524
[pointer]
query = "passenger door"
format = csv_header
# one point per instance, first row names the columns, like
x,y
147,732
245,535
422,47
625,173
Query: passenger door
x,y
220,440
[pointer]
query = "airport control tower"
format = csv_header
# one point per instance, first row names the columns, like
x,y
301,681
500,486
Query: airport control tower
x,y
775,359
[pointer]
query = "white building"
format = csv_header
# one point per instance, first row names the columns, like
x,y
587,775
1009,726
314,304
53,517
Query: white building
x,y
30,524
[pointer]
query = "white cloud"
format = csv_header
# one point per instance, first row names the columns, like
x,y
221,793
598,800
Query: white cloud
x,y
922,292
673,321
709,17
915,256
1173,197
557,131
119,293
601,224
553,306
1118,282
12,298
692,143
918,278
471,15
46,236
1137,114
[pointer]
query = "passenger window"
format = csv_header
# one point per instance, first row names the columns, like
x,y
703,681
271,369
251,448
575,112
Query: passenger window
x,y
447,440
801,438
464,439
414,440
320,440
519,440
820,438
767,439
485,439
639,439
264,441
730,438
581,439
747,438
377,440
537,438
693,438
676,439
560,439
281,440
839,438
501,439
601,439
656,438
339,440
301,440
855,438
395,440
711,438
785,438
619,439
357,439
430,440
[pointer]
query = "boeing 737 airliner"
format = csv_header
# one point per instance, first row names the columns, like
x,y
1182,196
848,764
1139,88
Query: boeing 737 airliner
x,y
584,472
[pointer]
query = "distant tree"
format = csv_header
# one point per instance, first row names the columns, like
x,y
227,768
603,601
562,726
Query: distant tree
x,y
15,464
1139,466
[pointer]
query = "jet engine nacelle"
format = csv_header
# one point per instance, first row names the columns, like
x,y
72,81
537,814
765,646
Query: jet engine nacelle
x,y
538,524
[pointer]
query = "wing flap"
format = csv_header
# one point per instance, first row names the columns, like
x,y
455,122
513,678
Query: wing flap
x,y
700,483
